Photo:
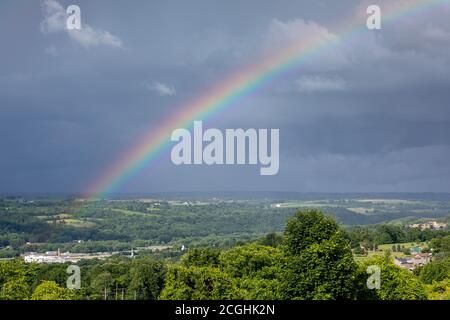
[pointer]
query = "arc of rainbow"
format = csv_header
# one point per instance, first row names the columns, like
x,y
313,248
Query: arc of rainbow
x,y
232,89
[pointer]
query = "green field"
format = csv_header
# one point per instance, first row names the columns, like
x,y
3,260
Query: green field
x,y
383,248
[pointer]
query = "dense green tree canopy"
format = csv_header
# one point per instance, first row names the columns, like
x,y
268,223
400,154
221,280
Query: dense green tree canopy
x,y
435,271
198,283
306,228
49,290
396,283
320,263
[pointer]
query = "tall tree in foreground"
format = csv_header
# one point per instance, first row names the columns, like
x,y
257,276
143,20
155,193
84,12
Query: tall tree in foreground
x,y
256,270
319,264
146,279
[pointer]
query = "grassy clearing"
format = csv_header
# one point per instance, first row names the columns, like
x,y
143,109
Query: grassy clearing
x,y
74,223
302,204
365,211
388,201
383,248
134,213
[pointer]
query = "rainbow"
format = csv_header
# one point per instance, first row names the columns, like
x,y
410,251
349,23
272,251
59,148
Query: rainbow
x,y
233,88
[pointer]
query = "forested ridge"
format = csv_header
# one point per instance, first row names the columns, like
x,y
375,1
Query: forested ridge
x,y
111,225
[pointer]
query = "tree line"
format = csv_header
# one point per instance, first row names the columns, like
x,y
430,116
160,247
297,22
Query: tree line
x,y
312,259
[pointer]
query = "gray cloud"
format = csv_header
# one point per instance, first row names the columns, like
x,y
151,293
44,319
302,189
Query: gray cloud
x,y
369,113
311,84
161,89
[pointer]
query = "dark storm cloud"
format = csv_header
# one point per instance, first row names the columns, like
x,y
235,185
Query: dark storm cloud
x,y
369,114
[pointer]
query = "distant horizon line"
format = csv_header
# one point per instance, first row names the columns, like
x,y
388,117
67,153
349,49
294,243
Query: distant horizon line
x,y
143,193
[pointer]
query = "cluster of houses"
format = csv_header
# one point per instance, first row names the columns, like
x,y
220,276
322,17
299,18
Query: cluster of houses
x,y
418,259
432,225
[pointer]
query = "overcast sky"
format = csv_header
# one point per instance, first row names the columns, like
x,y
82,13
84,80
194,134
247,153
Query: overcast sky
x,y
369,114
